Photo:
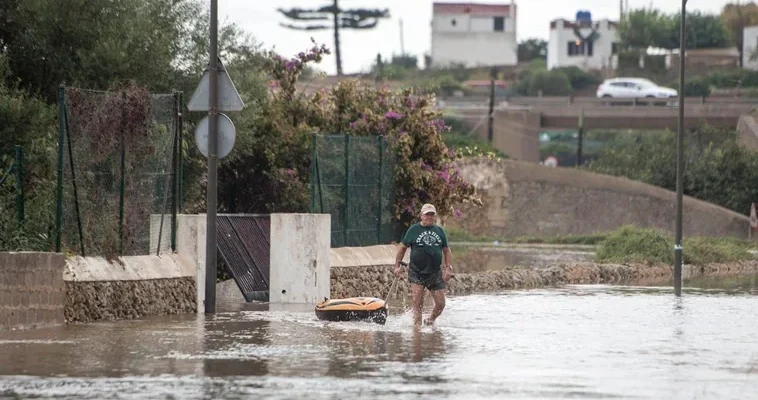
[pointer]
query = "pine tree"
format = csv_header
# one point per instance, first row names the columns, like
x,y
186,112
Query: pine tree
x,y
340,19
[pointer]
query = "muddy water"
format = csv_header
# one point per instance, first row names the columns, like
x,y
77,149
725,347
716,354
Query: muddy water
x,y
477,258
571,342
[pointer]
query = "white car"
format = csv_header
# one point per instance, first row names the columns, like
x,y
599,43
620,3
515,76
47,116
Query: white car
x,y
633,88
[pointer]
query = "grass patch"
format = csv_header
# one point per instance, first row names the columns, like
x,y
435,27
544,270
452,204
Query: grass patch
x,y
631,244
565,239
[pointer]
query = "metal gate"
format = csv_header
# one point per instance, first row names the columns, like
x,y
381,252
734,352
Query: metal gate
x,y
243,244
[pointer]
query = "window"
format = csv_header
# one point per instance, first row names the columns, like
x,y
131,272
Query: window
x,y
574,49
452,22
499,24
577,48
614,48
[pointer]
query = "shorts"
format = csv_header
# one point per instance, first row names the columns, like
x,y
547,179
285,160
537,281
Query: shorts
x,y
432,281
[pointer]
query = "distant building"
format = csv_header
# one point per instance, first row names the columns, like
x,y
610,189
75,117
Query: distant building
x,y
749,46
582,43
474,35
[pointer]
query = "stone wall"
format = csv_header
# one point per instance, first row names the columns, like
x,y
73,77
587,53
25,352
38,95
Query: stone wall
x,y
129,287
31,290
528,199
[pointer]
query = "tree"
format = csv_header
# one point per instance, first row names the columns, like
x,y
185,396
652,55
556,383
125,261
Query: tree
x,y
704,31
340,19
736,17
643,28
532,49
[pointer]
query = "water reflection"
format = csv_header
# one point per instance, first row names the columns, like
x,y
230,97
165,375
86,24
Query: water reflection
x,y
592,341
480,259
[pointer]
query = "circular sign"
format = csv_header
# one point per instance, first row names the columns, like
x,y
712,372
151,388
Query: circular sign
x,y
551,161
224,139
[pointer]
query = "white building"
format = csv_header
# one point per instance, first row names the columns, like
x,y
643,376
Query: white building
x,y
749,46
474,34
568,44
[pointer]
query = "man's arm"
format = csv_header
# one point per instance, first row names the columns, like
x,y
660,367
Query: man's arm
x,y
448,262
401,248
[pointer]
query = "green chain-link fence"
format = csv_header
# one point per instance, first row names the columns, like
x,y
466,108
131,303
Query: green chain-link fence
x,y
353,180
12,189
118,157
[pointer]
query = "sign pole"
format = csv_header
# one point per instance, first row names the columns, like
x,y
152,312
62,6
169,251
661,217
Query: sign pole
x,y
211,195
678,257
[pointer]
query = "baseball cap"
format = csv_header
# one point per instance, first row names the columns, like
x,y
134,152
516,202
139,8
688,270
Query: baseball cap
x,y
426,208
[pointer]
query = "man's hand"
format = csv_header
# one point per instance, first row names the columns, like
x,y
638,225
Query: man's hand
x,y
398,270
447,273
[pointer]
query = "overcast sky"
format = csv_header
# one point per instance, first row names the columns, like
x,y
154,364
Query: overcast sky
x,y
359,48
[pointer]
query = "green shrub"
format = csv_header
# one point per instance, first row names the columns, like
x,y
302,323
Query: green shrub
x,y
635,245
631,244
551,83
578,79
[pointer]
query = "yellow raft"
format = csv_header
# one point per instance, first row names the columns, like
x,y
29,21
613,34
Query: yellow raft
x,y
353,309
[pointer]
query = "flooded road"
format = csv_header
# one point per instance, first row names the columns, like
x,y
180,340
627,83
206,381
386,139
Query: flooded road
x,y
570,342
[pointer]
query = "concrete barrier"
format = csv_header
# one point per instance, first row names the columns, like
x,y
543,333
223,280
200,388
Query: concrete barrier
x,y
300,258
31,290
128,287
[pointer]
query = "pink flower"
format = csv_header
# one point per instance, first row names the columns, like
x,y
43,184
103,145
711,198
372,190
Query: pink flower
x,y
458,213
392,115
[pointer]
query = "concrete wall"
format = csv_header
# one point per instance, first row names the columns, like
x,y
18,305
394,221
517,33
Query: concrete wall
x,y
299,266
128,287
190,243
31,290
747,132
527,199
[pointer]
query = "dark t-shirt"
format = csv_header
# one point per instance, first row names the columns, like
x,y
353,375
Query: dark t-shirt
x,y
426,243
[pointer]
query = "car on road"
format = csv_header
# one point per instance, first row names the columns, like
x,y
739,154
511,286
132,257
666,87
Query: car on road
x,y
628,88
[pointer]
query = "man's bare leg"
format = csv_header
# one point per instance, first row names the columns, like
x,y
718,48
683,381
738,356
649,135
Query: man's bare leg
x,y
417,295
439,305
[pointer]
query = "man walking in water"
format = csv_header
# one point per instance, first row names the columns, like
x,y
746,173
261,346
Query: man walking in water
x,y
428,243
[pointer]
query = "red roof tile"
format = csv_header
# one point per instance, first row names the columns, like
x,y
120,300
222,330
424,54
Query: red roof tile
x,y
471,8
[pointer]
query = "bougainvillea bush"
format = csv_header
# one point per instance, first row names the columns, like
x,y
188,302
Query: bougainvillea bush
x,y
275,159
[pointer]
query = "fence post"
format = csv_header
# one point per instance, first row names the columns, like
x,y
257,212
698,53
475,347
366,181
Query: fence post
x,y
381,175
313,172
174,172
73,183
347,189
59,187
181,151
20,183
122,179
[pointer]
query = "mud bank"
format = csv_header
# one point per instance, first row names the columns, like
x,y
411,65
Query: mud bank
x,y
376,280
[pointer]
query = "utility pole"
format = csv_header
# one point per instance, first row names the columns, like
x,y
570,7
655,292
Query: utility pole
x,y
680,157
211,199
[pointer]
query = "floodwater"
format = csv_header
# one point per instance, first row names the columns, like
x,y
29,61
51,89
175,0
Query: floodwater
x,y
479,258
569,342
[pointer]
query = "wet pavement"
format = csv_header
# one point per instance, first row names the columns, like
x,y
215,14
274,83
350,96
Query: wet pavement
x,y
570,342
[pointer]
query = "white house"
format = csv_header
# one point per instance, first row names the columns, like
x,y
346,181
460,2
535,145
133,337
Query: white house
x,y
571,43
474,34
749,46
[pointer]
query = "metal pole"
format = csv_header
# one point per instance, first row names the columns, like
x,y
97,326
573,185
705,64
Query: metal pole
x,y
379,197
20,183
59,183
346,183
210,249
122,179
490,115
680,157
580,138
